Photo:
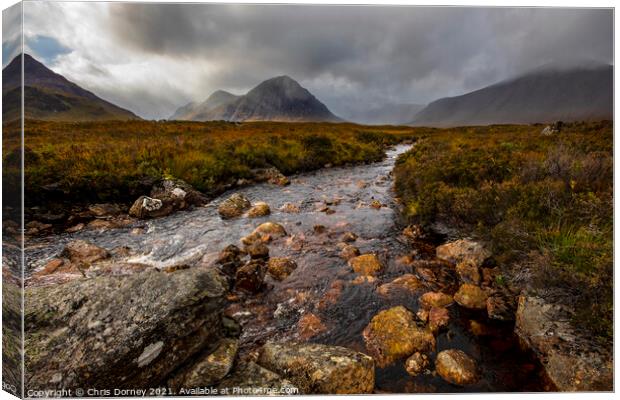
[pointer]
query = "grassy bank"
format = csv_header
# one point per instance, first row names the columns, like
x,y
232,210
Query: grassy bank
x,y
544,203
111,161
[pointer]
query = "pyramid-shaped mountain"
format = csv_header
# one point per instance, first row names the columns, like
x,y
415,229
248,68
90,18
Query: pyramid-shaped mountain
x,y
276,99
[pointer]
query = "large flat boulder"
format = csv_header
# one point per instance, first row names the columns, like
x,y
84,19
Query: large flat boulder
x,y
572,361
250,379
208,369
320,369
120,331
463,250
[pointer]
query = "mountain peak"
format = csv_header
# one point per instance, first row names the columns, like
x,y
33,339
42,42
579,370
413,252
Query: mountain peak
x,y
281,87
283,79
220,92
49,95
276,99
219,97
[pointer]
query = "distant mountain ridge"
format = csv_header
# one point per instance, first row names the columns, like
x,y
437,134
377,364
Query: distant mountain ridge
x,y
544,95
276,99
50,96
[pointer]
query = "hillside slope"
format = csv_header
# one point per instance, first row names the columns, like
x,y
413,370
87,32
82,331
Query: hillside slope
x,y
50,96
541,96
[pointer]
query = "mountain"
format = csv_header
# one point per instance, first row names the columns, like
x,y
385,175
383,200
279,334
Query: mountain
x,y
183,111
544,95
50,96
388,114
206,110
276,99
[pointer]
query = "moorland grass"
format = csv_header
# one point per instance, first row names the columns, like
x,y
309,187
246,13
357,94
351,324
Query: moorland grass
x,y
108,161
544,203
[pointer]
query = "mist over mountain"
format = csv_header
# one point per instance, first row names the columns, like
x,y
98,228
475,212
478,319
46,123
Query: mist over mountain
x,y
544,95
387,114
50,96
276,99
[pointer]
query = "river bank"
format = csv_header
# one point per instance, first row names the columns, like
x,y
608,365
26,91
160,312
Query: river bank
x,y
540,199
70,167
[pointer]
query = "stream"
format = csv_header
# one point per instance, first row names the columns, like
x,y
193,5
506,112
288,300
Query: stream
x,y
323,284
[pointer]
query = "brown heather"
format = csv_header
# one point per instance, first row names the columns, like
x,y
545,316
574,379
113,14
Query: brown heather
x,y
106,161
544,203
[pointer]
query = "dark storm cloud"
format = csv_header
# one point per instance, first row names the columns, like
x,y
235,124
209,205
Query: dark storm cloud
x,y
401,53
351,57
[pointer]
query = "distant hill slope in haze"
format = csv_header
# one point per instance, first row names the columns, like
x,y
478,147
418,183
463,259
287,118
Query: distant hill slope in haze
x,y
276,99
545,95
388,114
50,96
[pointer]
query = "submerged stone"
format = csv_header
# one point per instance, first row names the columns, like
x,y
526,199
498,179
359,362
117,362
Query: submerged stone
x,y
280,267
407,282
456,367
81,251
309,326
349,252
250,277
366,264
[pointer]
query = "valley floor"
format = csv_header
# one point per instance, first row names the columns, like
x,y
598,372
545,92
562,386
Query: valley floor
x,y
414,293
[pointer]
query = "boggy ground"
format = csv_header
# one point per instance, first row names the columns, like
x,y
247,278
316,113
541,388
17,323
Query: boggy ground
x,y
329,267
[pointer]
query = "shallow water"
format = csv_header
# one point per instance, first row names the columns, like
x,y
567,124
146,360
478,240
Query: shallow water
x,y
322,283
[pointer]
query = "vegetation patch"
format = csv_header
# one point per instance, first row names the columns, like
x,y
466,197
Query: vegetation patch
x,y
114,161
544,203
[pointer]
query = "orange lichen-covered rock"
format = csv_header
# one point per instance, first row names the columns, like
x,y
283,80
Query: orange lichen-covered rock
x,y
456,367
471,296
435,299
393,334
280,268
366,264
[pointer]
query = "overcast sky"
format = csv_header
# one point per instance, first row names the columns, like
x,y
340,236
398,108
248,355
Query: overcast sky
x,y
153,58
